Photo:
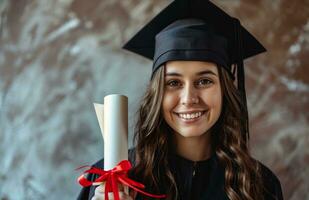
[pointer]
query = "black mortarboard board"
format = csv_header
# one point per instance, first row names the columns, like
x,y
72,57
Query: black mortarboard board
x,y
197,30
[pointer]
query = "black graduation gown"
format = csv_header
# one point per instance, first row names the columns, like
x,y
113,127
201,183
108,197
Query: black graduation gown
x,y
202,180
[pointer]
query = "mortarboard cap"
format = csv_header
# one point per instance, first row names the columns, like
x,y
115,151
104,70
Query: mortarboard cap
x,y
197,30
215,19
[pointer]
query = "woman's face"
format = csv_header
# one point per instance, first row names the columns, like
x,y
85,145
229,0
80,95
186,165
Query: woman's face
x,y
192,97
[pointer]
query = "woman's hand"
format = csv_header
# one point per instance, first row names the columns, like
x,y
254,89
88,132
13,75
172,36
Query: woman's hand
x,y
99,193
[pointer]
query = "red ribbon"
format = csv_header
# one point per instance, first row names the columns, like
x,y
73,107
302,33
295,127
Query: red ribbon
x,y
118,174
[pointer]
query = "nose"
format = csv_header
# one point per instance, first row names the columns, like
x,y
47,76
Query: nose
x,y
189,95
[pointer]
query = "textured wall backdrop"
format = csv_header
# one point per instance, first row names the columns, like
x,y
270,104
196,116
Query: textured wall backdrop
x,y
59,56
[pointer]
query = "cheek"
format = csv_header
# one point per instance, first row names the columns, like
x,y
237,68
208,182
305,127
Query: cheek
x,y
217,104
213,99
218,100
169,102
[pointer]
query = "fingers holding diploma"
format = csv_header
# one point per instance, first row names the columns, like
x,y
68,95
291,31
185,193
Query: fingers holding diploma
x,y
99,193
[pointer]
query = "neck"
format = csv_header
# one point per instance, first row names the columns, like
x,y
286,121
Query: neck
x,y
193,148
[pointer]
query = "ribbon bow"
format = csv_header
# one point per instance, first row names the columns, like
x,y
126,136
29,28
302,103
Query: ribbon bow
x,y
112,177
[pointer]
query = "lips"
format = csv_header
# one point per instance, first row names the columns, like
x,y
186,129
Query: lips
x,y
190,117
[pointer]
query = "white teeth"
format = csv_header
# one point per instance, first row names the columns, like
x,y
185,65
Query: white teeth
x,y
190,116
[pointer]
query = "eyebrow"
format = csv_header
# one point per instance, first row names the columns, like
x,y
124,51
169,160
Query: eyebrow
x,y
198,73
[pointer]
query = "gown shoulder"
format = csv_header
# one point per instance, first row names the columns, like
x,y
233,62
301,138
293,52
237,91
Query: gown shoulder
x,y
271,183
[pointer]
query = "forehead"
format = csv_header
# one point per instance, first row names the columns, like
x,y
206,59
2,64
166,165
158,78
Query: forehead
x,y
189,68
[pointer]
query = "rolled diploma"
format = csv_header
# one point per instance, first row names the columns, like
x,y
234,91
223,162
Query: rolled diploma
x,y
99,110
114,128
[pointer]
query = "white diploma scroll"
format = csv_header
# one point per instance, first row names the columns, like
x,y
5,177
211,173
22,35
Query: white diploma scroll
x,y
113,121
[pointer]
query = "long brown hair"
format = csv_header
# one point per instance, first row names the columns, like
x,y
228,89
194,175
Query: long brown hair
x,y
242,176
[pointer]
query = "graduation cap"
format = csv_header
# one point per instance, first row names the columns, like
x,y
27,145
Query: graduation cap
x,y
197,30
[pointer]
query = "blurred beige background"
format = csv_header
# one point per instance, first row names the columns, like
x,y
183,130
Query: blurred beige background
x,y
57,57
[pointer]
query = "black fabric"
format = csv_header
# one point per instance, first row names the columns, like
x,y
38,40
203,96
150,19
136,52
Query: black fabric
x,y
202,180
198,180
193,25
241,80
192,39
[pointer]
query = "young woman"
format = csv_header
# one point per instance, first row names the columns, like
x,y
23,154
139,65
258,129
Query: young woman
x,y
192,129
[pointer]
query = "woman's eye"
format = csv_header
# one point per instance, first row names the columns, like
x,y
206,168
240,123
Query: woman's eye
x,y
204,82
173,83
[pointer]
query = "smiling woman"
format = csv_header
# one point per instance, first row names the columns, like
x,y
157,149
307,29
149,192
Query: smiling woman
x,y
192,104
192,125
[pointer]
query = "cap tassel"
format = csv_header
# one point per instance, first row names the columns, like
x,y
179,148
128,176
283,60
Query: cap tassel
x,y
241,80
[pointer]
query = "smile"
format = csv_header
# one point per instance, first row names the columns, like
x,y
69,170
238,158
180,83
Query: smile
x,y
190,117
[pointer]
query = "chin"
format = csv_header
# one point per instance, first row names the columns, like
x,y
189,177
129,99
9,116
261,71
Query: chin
x,y
191,133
